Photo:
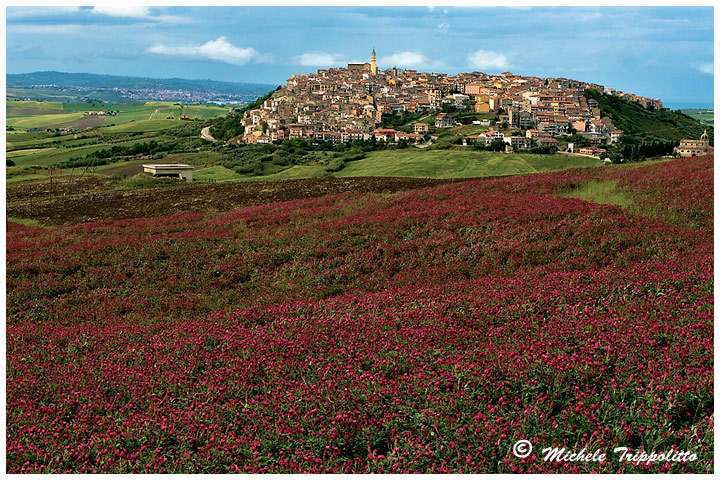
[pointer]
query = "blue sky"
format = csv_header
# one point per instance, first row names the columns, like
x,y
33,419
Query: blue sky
x,y
661,52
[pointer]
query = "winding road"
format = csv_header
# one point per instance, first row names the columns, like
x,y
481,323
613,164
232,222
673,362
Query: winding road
x,y
205,133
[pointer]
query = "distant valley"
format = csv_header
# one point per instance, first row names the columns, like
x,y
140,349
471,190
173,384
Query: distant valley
x,y
87,87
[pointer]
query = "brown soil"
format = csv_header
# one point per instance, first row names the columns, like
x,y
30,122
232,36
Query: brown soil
x,y
97,203
124,171
88,121
59,187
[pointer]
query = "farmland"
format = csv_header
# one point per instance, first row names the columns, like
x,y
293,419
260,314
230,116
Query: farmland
x,y
56,134
704,115
32,148
425,330
25,114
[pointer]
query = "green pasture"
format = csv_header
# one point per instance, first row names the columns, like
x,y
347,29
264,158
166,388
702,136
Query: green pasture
x,y
12,102
52,155
203,112
36,121
457,163
217,173
139,126
703,114
148,112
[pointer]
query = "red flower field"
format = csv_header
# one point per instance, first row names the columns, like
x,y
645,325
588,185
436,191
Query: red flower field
x,y
426,331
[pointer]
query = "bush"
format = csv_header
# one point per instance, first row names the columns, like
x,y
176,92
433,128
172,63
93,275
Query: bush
x,y
544,150
336,164
280,158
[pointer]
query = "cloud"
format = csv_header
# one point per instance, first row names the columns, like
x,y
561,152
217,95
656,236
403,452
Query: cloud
x,y
137,12
444,26
25,12
708,68
318,59
134,11
487,59
220,50
404,59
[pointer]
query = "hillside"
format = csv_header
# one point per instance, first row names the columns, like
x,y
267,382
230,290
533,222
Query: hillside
x,y
91,80
418,332
644,124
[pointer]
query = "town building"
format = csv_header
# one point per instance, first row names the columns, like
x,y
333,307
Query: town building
x,y
443,120
421,128
344,104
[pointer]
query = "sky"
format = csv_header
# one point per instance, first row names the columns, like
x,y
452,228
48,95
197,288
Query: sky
x,y
658,52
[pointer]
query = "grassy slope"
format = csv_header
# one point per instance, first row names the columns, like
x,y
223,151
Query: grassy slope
x,y
141,126
52,155
458,163
42,120
12,102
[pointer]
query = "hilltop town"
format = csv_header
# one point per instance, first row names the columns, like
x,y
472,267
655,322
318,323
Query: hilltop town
x,y
339,105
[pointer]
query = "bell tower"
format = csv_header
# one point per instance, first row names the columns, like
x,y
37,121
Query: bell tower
x,y
373,63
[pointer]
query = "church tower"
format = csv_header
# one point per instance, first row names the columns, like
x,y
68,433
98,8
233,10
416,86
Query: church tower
x,y
373,63
704,139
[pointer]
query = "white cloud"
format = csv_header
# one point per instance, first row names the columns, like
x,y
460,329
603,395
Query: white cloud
x,y
403,59
708,68
135,11
444,26
220,50
138,11
487,59
25,12
318,59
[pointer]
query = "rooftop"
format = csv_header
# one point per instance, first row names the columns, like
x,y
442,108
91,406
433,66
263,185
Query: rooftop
x,y
167,165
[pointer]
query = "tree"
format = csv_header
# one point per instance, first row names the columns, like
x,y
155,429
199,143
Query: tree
x,y
497,145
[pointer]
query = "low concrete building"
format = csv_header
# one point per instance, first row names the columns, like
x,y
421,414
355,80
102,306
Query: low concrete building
x,y
173,170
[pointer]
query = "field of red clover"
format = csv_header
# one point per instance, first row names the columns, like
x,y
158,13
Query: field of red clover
x,y
426,331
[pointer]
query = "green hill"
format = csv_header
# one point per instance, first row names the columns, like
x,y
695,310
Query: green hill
x,y
646,124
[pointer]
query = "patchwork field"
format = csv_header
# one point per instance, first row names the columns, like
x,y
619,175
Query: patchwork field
x,y
425,331
22,114
703,114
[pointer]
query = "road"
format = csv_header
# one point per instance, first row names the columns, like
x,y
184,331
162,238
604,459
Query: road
x,y
205,133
